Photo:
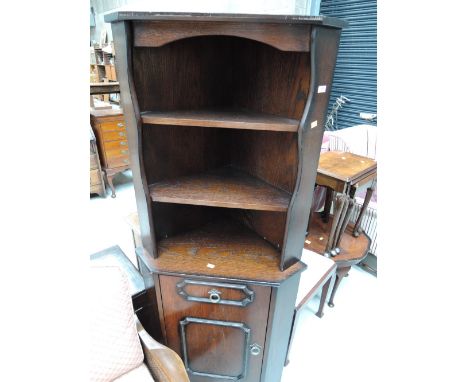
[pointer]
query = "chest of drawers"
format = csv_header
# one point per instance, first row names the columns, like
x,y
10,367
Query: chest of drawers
x,y
111,133
96,183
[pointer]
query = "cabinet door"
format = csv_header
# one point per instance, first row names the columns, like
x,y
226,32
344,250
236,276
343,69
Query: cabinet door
x,y
218,328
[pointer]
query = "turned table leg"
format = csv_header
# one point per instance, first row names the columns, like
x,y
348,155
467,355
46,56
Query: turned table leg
x,y
340,273
110,182
328,204
357,227
323,297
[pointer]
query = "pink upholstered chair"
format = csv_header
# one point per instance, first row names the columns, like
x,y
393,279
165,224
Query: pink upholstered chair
x,y
121,350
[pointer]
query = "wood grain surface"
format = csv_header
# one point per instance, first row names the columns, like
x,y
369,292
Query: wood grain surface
x,y
225,187
353,249
212,348
280,36
344,166
224,119
221,249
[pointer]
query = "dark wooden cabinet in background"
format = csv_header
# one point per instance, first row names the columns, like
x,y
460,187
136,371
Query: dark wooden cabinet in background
x,y
225,117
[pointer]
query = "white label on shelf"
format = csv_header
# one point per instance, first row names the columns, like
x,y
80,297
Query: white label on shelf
x,y
209,265
322,89
313,124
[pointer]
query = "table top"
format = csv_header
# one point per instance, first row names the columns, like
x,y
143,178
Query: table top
x,y
114,256
345,166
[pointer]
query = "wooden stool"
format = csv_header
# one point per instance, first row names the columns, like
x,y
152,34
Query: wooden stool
x,y
353,249
345,172
318,275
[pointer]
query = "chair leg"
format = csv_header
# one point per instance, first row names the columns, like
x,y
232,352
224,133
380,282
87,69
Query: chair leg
x,y
323,297
340,273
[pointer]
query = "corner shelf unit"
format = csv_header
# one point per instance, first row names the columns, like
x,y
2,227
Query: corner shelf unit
x,y
225,117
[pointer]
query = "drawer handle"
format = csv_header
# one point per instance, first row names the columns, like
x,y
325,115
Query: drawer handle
x,y
124,151
214,296
255,349
123,143
126,161
122,134
120,124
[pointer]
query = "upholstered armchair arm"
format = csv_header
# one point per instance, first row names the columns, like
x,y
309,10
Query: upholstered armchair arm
x,y
164,364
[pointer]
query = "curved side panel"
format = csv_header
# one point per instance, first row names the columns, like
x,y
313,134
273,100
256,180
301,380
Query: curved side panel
x,y
324,49
293,38
123,49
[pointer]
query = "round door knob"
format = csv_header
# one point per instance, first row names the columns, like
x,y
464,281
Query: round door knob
x,y
214,296
255,349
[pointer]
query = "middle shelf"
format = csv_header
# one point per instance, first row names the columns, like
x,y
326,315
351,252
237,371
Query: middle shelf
x,y
238,119
225,187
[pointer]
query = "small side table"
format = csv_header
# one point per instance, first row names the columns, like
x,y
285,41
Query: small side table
x,y
353,249
345,172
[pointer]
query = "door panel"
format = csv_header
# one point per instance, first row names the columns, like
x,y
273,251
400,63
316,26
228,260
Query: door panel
x,y
217,341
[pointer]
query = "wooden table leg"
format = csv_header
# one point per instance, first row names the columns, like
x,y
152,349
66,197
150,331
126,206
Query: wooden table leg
x,y
357,227
328,204
323,297
109,177
340,273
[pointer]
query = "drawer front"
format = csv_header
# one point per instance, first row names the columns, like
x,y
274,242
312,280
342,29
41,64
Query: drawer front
x,y
93,161
118,162
217,328
94,177
115,145
123,152
114,135
112,126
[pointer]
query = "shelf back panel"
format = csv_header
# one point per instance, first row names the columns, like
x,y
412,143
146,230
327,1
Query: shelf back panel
x,y
221,72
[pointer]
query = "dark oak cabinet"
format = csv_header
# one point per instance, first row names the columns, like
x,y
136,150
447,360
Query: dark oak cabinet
x,y
225,117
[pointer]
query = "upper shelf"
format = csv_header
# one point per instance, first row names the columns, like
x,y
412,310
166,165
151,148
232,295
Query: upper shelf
x,y
222,119
225,187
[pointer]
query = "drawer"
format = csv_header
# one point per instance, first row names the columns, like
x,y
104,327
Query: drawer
x,y
112,126
114,135
118,162
217,327
93,161
119,152
114,145
94,177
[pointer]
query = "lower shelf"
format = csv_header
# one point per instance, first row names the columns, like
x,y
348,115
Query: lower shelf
x,y
353,249
222,249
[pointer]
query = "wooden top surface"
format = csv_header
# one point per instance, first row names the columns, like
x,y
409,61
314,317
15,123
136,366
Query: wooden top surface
x,y
223,249
226,187
345,166
221,119
129,14
353,249
106,113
